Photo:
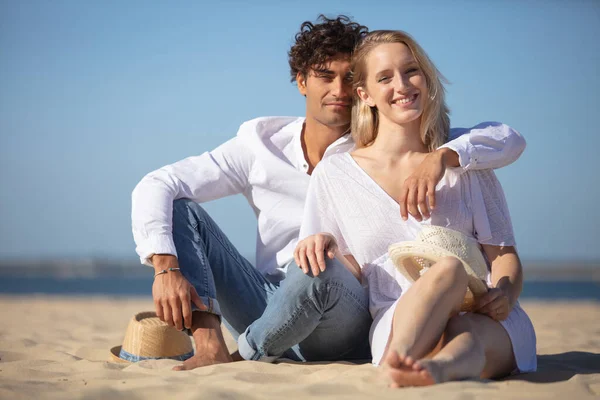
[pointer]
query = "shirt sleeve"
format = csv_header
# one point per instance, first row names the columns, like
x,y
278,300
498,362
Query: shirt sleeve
x,y
212,175
319,215
487,145
491,217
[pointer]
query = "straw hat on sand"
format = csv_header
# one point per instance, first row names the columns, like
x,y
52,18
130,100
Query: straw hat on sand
x,y
413,258
148,338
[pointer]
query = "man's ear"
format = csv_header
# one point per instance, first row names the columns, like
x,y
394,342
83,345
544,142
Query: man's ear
x,y
301,82
364,96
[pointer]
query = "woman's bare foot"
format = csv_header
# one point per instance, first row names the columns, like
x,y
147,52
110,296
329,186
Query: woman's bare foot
x,y
404,371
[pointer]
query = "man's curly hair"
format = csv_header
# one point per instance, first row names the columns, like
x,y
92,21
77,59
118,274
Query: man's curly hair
x,y
318,43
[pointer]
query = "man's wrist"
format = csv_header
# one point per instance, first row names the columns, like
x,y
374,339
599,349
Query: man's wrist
x,y
163,261
449,157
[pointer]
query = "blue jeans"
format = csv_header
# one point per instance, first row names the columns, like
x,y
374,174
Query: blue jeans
x,y
303,318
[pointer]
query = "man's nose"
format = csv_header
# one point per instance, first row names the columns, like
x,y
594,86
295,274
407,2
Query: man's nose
x,y
341,88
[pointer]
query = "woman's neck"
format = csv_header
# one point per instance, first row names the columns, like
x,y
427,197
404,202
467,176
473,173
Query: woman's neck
x,y
396,141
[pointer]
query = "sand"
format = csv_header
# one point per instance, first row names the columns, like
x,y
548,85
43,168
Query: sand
x,y
58,347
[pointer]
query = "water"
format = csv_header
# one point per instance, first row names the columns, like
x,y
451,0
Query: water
x,y
120,286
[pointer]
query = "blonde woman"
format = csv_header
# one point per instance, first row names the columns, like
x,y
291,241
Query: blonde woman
x,y
399,116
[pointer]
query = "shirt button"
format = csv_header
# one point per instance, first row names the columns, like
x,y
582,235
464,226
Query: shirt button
x,y
305,166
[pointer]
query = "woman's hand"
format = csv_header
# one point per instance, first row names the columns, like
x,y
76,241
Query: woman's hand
x,y
495,304
507,282
310,252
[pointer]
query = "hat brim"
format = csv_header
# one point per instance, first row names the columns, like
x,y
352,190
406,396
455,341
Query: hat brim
x,y
114,355
407,250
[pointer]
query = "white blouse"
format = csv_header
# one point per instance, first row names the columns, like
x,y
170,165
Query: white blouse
x,y
345,201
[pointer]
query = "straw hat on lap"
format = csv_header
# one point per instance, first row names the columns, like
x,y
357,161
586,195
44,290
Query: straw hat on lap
x,y
413,258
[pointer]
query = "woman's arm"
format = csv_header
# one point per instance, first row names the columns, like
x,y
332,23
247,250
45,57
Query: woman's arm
x,y
350,263
507,282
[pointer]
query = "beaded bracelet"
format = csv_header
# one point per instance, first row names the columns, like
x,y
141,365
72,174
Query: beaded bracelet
x,y
164,271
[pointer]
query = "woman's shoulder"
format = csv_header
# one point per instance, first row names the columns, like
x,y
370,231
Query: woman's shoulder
x,y
332,164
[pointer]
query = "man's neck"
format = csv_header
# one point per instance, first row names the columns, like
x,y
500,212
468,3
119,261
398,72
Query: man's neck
x,y
316,138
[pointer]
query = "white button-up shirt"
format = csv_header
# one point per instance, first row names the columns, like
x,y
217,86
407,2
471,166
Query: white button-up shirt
x,y
265,162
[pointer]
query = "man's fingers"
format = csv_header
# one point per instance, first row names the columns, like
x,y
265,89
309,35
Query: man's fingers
x,y
422,200
197,300
175,304
159,310
431,194
186,310
412,203
402,202
167,316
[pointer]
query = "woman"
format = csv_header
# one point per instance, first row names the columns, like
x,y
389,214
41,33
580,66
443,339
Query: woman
x,y
399,116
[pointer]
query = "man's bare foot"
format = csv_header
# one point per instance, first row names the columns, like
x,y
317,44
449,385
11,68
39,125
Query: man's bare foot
x,y
210,344
404,371
236,356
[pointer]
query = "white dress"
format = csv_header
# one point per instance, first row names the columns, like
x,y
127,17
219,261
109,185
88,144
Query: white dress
x,y
345,201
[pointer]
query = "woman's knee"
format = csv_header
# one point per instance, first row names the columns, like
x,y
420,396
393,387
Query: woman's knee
x,y
450,271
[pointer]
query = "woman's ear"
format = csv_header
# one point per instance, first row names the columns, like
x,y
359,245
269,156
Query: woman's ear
x,y
364,96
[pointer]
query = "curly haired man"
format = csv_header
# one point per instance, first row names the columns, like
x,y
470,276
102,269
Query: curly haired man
x,y
201,279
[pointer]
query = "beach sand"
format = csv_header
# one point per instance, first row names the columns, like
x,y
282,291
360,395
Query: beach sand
x,y
58,348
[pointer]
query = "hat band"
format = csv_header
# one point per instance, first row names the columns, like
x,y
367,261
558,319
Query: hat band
x,y
135,358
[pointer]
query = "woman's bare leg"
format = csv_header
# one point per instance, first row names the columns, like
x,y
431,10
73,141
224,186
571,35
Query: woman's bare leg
x,y
423,311
477,346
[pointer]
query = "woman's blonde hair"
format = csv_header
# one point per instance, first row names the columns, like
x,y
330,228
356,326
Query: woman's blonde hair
x,y
435,122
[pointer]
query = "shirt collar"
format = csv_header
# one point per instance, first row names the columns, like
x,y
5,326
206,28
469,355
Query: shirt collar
x,y
342,144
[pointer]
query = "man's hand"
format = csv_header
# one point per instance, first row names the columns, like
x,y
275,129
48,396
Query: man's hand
x,y
494,304
310,252
419,189
173,294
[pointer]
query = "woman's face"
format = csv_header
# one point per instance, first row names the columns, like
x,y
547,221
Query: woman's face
x,y
395,83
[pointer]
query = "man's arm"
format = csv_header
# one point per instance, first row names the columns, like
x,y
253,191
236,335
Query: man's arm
x,y
212,175
486,145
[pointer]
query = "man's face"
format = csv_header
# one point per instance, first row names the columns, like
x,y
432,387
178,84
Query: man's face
x,y
328,92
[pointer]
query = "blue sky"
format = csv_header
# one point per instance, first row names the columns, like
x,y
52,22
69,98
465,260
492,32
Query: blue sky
x,y
93,95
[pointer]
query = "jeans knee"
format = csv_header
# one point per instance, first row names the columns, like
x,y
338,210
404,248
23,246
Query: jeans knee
x,y
335,275
186,211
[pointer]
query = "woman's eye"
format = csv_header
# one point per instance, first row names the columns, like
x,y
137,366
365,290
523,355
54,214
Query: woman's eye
x,y
383,79
411,70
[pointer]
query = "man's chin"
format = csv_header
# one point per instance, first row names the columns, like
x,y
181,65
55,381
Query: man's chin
x,y
336,121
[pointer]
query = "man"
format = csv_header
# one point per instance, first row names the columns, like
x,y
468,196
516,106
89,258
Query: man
x,y
200,276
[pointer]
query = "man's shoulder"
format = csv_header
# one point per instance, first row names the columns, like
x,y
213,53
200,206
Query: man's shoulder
x,y
265,127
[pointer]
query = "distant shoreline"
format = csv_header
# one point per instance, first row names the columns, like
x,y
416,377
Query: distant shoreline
x,y
103,268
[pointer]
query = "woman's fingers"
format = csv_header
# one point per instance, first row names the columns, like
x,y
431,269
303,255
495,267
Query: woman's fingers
x,y
312,258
